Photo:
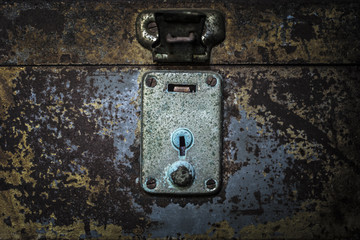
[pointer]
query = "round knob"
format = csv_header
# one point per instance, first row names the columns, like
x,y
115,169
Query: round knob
x,y
182,177
181,174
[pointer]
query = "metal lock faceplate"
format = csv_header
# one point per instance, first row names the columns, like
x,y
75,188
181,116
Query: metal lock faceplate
x,y
181,132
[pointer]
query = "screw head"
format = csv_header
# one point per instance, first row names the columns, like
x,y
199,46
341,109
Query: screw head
x,y
151,82
211,81
152,28
151,183
210,184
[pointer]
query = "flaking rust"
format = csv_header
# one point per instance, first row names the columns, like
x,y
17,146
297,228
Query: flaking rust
x,y
104,33
70,145
70,136
44,162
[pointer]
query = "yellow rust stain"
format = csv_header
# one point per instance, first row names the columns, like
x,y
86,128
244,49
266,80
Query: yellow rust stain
x,y
96,104
299,227
300,147
303,225
11,207
83,180
7,84
112,39
274,33
52,231
220,230
20,159
324,110
298,143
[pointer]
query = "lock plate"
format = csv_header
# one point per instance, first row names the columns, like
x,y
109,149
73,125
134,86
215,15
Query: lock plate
x,y
185,105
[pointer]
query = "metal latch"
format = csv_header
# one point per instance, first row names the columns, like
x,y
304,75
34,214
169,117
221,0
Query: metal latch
x,y
181,132
180,35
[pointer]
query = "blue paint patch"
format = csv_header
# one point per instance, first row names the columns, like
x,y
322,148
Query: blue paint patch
x,y
254,194
289,17
95,234
117,96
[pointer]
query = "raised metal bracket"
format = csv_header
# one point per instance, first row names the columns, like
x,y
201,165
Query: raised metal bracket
x,y
180,35
181,132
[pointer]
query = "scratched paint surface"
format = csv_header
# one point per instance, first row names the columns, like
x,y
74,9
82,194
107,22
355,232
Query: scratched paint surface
x,y
69,154
262,31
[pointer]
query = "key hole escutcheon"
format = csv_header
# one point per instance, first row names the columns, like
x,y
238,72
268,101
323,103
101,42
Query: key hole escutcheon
x,y
182,140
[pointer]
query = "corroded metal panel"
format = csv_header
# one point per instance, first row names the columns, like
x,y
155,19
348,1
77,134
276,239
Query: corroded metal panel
x,y
90,32
165,113
70,139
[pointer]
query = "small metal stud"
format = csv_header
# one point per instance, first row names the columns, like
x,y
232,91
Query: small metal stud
x,y
151,183
210,184
211,81
151,82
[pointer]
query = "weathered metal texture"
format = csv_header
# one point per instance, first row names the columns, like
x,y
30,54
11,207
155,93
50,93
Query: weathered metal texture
x,y
60,32
198,112
69,155
185,35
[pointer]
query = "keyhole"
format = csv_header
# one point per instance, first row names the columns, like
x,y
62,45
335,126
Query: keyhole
x,y
182,145
182,140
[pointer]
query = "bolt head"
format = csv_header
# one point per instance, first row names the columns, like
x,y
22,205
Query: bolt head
x,y
151,82
182,177
210,184
211,81
151,183
152,28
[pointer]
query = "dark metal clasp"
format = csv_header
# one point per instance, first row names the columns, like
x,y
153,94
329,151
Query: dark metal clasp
x,y
180,35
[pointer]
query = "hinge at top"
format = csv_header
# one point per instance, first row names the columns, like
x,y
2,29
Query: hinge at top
x,y
180,35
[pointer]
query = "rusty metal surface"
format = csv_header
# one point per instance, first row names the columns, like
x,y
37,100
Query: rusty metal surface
x,y
262,31
197,113
69,167
185,35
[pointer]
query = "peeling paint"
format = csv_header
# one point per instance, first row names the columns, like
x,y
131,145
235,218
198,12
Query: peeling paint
x,y
70,135
289,158
104,33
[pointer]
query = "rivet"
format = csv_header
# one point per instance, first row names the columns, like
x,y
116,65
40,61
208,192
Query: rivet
x,y
152,28
210,184
151,82
211,81
151,183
